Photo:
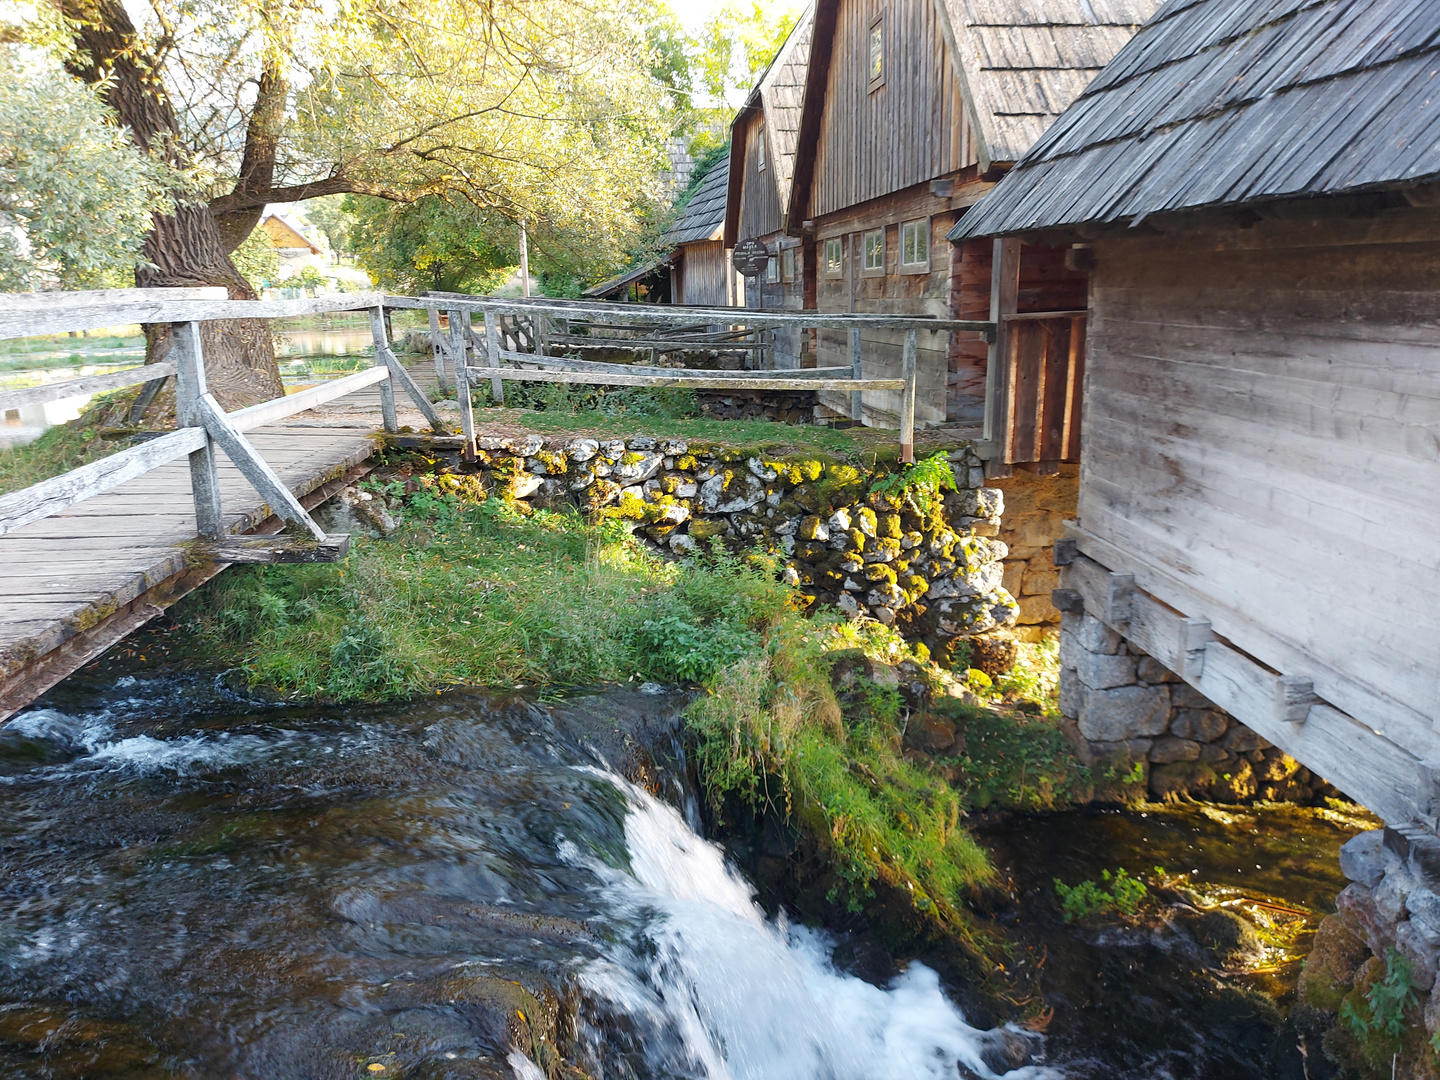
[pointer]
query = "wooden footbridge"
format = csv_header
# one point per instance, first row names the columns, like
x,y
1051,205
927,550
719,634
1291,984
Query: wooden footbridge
x,y
90,556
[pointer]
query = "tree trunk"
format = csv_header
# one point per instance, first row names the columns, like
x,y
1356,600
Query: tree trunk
x,y
184,248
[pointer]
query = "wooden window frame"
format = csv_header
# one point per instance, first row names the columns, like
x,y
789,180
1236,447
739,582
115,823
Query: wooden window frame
x,y
866,270
787,265
760,148
874,79
925,230
838,270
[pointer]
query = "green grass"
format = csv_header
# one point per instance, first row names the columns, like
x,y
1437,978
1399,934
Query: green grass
x,y
63,447
772,731
481,594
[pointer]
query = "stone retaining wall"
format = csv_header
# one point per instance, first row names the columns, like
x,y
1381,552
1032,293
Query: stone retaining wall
x,y
1391,903
1124,709
919,564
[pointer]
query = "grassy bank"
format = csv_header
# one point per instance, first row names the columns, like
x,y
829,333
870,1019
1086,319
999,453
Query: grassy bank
x,y
470,591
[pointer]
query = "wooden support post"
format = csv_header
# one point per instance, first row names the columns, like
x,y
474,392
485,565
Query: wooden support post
x,y
190,387
907,399
387,388
857,404
256,469
492,355
999,408
438,346
459,353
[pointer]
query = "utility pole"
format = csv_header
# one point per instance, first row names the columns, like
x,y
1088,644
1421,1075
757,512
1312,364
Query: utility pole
x,y
524,261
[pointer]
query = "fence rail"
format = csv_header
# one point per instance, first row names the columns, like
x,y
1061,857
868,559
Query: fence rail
x,y
206,429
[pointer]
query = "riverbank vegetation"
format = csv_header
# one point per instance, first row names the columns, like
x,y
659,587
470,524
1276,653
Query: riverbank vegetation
x,y
813,720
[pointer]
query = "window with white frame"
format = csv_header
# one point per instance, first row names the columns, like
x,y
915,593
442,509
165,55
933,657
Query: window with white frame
x,y
873,245
915,246
760,148
772,269
787,265
834,264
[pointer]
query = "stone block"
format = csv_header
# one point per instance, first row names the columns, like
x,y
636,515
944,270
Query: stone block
x,y
1014,580
1091,634
1240,740
1152,671
1187,697
1039,582
1358,907
1100,672
1215,754
1036,529
1125,712
1423,907
1037,611
1168,748
1072,695
1202,725
1412,945
1390,894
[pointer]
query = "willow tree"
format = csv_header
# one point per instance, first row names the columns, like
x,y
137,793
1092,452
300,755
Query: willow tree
x,y
543,110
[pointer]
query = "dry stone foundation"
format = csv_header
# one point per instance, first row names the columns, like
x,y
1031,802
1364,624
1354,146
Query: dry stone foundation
x,y
1036,508
930,567
1391,907
1135,721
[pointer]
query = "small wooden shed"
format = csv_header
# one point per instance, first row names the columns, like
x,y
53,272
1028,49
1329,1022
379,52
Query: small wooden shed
x,y
1255,189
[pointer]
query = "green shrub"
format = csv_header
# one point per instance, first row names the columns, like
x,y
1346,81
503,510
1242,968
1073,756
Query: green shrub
x,y
1093,898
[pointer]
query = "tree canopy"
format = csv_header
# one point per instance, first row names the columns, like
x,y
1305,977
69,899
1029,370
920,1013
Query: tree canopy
x,y
75,194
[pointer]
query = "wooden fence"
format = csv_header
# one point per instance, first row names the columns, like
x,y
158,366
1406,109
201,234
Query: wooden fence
x,y
693,328
206,429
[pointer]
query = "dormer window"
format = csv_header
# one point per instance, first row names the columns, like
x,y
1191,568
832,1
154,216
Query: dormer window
x,y
760,147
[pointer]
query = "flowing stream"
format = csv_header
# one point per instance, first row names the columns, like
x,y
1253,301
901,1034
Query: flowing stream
x,y
192,885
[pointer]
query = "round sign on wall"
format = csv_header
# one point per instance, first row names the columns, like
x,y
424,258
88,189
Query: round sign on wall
x,y
750,257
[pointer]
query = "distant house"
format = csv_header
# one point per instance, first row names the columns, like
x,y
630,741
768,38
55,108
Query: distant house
x,y
1255,189
696,269
911,110
763,144
296,249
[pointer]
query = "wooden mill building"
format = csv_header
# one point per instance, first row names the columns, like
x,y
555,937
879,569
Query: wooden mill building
x,y
1255,190
763,142
911,110
697,269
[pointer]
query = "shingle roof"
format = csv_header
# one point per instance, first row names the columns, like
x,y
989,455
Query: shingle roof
x,y
782,93
704,215
1025,61
1225,102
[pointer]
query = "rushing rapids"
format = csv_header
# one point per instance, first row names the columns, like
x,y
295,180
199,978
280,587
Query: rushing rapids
x,y
454,888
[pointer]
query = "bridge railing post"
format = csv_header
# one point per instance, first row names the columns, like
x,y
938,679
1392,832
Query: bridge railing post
x,y
387,388
907,400
185,354
460,357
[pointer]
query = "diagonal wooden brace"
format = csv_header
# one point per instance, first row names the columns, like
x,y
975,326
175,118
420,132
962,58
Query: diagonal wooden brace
x,y
253,467
400,375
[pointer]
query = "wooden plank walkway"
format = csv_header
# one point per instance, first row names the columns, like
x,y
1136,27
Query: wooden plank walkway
x,y
76,583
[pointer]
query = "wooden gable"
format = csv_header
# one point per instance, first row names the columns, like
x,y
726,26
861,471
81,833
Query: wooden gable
x,y
863,138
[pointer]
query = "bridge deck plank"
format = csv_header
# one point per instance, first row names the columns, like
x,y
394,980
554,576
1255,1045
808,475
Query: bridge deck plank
x,y
64,573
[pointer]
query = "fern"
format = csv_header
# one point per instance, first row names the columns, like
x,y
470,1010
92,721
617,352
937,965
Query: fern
x,y
923,481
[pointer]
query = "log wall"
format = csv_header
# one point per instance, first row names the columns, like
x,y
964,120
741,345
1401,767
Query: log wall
x,y
1262,435
907,130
